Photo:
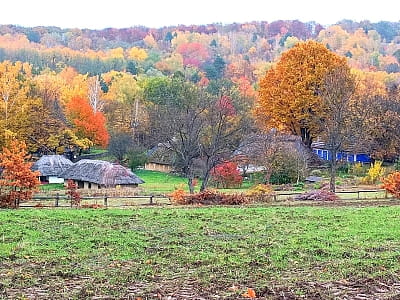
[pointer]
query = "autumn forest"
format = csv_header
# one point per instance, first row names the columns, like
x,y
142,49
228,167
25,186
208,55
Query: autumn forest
x,y
67,90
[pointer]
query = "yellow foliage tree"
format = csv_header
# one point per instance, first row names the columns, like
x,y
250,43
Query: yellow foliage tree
x,y
150,41
375,172
138,54
116,53
289,95
14,101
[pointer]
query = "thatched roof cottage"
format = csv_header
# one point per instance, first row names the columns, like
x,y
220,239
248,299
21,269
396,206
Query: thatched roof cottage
x,y
96,174
51,167
160,159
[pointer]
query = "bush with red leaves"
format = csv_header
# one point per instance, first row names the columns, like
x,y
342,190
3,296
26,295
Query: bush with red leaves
x,y
226,175
214,198
73,193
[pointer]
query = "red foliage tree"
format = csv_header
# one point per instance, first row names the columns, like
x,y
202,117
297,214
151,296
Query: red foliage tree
x,y
194,54
88,123
17,181
73,193
226,175
225,105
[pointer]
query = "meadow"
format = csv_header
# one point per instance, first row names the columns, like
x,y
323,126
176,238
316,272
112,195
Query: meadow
x,y
209,252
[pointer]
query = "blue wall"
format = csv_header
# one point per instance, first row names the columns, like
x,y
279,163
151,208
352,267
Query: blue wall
x,y
350,157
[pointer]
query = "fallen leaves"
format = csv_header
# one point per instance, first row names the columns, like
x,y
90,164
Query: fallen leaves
x,y
250,294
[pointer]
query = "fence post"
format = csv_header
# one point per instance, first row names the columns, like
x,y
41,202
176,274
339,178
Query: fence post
x,y
275,197
151,199
358,195
57,199
105,200
386,196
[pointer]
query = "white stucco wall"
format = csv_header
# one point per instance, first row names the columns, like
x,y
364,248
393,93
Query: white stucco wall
x,y
54,179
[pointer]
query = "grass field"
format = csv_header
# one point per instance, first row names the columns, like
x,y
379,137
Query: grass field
x,y
159,182
154,253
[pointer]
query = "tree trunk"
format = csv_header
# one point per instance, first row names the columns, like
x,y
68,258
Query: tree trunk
x,y
306,137
332,183
190,184
267,176
206,179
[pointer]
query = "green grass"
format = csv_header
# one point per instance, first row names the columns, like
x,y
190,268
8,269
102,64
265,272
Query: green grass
x,y
51,187
159,182
97,151
118,253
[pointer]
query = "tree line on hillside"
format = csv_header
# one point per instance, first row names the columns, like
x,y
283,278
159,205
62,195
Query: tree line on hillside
x,y
247,49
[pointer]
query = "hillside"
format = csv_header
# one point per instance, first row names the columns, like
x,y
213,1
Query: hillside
x,y
246,49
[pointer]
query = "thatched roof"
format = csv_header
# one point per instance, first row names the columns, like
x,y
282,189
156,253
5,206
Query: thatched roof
x,y
254,146
161,154
101,172
52,165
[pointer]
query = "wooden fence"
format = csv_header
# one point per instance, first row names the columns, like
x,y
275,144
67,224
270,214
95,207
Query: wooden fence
x,y
358,194
57,200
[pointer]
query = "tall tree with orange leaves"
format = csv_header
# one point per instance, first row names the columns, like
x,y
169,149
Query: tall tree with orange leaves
x,y
289,96
17,181
88,124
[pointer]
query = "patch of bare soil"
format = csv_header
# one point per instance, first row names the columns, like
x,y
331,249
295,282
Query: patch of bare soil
x,y
364,289
40,281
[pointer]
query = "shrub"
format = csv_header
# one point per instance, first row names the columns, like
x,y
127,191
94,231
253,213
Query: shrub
x,y
207,197
299,186
316,172
283,176
392,184
178,196
289,167
375,172
73,193
320,185
226,175
397,164
136,158
358,169
317,195
260,193
343,168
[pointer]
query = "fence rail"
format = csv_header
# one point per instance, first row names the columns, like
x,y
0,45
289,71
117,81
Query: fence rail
x,y
358,193
58,200
61,200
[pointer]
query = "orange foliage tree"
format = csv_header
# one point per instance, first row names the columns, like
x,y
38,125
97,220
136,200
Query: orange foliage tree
x,y
89,124
392,184
289,96
17,181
